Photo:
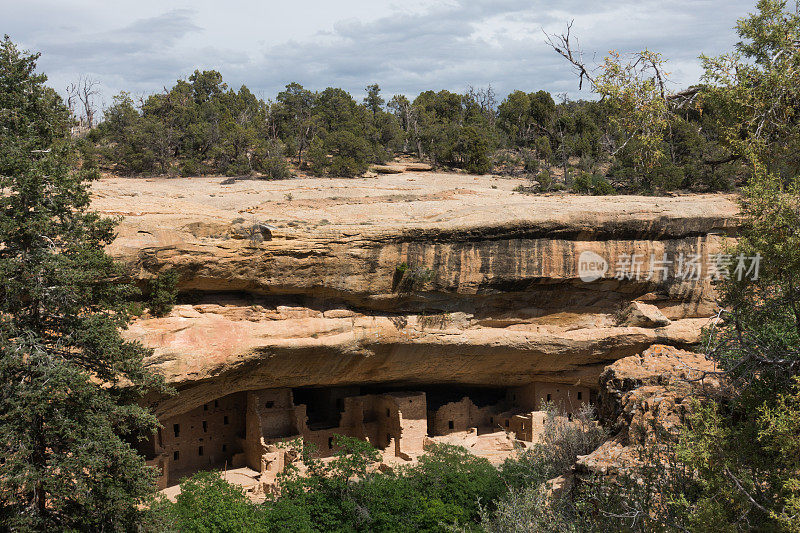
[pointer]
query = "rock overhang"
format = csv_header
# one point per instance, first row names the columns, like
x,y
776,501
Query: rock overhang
x,y
501,302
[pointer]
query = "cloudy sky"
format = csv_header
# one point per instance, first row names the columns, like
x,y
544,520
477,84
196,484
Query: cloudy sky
x,y
405,46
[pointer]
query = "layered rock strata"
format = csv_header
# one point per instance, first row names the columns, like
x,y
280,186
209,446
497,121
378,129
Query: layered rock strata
x,y
409,279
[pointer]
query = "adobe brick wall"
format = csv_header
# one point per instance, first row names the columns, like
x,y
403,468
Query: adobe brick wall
x,y
203,438
535,396
461,416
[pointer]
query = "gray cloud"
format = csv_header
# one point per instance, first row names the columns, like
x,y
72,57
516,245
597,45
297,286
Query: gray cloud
x,y
446,45
141,55
500,43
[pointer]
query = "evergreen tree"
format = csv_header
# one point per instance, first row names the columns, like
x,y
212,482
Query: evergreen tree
x,y
68,380
294,117
373,100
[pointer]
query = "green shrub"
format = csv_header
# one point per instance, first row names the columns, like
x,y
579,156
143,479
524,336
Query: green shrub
x,y
207,503
162,294
543,147
240,166
602,187
135,309
317,157
545,179
269,160
88,153
593,184
346,166
668,177
587,164
409,279
190,167
274,167
583,183
530,161
476,151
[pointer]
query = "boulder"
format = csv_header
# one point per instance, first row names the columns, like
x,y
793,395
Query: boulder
x,y
640,393
642,315
387,169
417,167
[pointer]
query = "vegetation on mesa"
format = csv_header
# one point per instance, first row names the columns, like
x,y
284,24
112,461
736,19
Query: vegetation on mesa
x,y
201,126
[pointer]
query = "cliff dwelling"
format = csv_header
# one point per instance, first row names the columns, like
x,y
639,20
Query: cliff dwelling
x,y
244,429
390,327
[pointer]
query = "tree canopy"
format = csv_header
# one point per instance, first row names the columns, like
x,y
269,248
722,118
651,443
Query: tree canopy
x,y
68,411
629,137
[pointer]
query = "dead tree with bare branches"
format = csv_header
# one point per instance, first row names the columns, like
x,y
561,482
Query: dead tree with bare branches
x,y
85,91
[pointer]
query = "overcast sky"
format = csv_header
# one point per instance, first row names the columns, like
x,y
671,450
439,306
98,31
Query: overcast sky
x,y
405,47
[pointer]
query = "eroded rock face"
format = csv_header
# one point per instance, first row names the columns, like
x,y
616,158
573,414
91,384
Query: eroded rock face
x,y
408,278
645,393
216,354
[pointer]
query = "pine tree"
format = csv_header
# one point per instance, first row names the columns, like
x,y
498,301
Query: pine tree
x,y
68,381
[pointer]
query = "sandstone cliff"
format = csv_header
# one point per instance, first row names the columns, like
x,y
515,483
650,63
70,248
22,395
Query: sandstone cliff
x,y
407,278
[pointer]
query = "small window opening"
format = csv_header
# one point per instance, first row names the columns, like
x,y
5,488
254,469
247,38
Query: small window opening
x,y
205,426
177,429
199,450
270,404
225,420
450,424
176,455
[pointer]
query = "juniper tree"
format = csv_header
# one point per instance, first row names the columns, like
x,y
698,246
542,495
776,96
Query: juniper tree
x,y
68,380
373,101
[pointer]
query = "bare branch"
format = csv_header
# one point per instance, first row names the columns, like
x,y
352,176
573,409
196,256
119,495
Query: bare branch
x,y
72,97
86,90
743,491
562,45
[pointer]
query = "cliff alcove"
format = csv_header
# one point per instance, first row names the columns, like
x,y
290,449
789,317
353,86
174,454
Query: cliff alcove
x,y
360,304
